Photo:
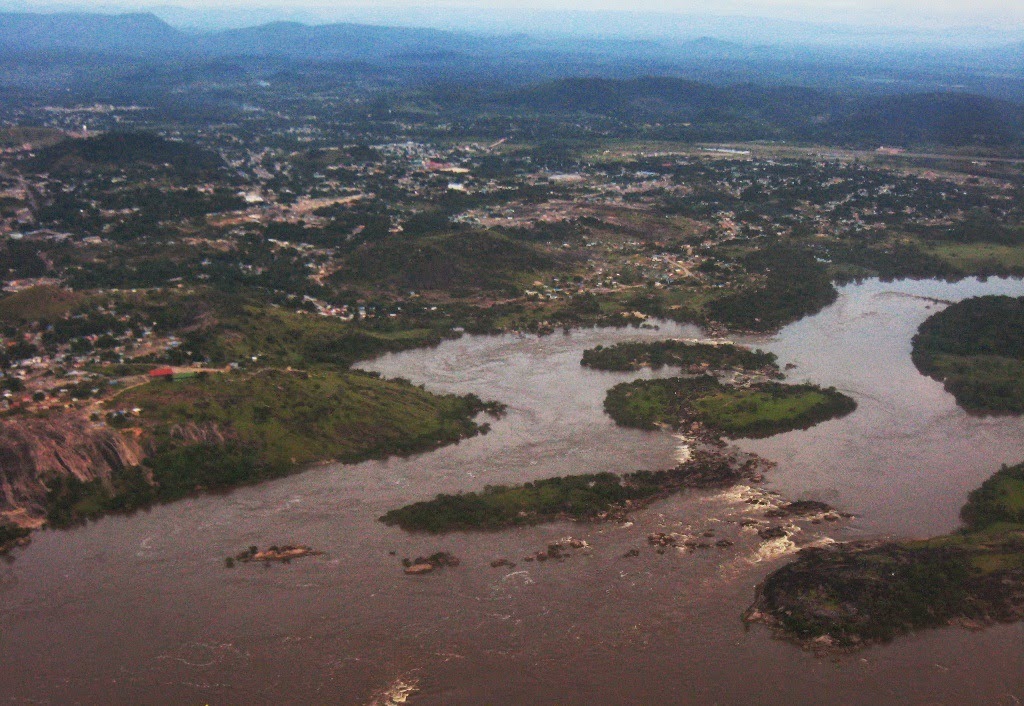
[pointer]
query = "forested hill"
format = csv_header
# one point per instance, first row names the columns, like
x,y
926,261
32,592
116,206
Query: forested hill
x,y
117,150
781,111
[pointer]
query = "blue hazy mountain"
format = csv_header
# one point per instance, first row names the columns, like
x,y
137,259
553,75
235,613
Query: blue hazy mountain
x,y
137,33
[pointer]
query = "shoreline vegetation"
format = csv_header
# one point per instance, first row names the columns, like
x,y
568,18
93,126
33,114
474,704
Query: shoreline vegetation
x,y
217,432
592,497
976,349
855,594
12,536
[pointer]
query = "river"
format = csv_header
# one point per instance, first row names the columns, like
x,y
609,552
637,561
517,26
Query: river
x,y
141,609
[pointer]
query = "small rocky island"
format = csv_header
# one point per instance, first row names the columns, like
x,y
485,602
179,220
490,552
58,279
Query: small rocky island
x,y
425,565
282,554
854,594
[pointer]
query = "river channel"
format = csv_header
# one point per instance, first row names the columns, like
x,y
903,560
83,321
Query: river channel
x,y
142,609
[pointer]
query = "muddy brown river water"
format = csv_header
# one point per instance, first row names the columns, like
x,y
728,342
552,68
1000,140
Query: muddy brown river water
x,y
141,609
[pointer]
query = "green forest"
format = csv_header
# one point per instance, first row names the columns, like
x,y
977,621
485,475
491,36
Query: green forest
x,y
976,349
658,354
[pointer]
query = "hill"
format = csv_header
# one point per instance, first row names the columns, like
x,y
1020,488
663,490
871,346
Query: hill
x,y
117,150
138,33
469,260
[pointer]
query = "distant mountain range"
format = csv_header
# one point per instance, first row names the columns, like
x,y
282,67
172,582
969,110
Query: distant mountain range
x,y
145,34
141,57
120,34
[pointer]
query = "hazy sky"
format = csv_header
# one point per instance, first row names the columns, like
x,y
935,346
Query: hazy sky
x,y
916,11
995,13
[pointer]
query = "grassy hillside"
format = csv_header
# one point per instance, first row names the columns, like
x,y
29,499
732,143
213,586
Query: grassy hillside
x,y
223,430
116,150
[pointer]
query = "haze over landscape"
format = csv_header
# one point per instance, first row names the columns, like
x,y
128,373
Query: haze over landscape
x,y
495,352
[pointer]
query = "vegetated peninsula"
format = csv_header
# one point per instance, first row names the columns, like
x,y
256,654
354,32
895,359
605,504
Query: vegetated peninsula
x,y
757,410
220,430
976,348
692,356
853,594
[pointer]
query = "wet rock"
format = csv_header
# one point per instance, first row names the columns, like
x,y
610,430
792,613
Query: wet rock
x,y
772,533
631,553
801,508
438,560
417,569
724,543
497,563
660,539
283,554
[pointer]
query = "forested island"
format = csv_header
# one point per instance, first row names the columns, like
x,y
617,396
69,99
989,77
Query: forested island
x,y
585,497
694,356
976,349
853,594
758,410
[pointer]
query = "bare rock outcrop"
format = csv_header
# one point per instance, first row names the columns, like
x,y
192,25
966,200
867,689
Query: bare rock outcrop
x,y
33,449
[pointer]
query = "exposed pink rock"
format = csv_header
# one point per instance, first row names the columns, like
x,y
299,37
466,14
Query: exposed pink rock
x,y
33,449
